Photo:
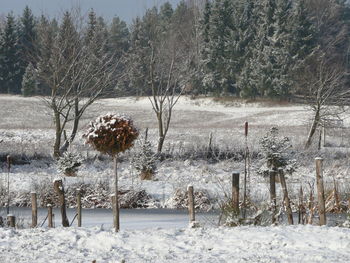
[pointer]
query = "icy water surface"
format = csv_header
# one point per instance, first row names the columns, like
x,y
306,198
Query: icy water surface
x,y
129,218
140,218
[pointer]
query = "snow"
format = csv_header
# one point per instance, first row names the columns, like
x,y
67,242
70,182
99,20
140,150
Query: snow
x,y
240,244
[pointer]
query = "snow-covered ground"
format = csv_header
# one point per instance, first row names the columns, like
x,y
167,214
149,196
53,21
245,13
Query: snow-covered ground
x,y
210,245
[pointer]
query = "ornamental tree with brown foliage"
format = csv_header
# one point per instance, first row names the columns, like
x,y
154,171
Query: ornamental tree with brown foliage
x,y
112,134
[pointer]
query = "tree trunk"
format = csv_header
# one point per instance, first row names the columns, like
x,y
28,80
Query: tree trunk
x,y
116,219
160,144
58,186
160,132
313,128
58,133
68,141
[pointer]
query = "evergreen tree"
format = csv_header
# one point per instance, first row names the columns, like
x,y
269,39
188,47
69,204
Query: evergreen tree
x,y
138,60
91,28
165,15
68,37
118,42
241,41
205,46
66,48
269,69
281,40
10,66
206,22
247,86
186,31
219,78
246,23
144,34
102,35
303,33
144,160
46,31
27,37
29,82
303,43
96,37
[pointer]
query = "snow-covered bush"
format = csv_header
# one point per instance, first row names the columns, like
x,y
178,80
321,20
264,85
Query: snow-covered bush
x,y
69,163
144,161
275,150
179,200
111,134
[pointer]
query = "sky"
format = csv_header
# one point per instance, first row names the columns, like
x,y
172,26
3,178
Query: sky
x,y
125,9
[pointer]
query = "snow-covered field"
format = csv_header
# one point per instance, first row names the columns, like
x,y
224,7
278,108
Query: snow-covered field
x,y
210,245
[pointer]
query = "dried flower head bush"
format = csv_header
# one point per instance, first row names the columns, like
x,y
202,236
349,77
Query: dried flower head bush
x,y
111,134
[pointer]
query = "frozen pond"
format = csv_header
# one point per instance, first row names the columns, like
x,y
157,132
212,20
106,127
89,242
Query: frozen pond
x,y
129,218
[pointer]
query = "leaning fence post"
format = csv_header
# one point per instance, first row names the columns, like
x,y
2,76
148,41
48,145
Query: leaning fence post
x,y
235,192
11,220
191,203
286,197
50,215
273,194
79,207
320,191
58,186
34,209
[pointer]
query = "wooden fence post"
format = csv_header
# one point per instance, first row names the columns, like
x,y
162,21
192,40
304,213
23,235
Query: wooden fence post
x,y
320,191
34,209
245,167
273,194
8,183
11,220
50,215
58,186
286,197
79,207
191,203
235,192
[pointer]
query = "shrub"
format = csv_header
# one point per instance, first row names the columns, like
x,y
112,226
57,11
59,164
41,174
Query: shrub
x,y
69,163
29,83
144,160
275,149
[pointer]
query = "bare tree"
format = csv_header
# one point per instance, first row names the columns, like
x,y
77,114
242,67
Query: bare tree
x,y
324,77
165,93
168,76
76,74
327,94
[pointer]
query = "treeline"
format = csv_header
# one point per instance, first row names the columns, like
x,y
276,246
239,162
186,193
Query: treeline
x,y
246,48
